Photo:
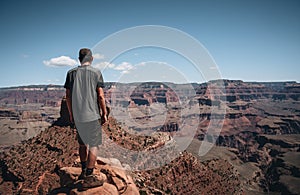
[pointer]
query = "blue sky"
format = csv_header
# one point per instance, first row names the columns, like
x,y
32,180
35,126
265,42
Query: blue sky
x,y
249,40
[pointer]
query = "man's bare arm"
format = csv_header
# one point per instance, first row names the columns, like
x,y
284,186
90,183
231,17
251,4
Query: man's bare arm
x,y
69,104
102,105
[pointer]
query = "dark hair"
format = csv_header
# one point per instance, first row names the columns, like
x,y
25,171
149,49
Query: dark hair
x,y
85,55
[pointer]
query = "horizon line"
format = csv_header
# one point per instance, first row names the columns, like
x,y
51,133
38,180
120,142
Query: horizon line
x,y
245,81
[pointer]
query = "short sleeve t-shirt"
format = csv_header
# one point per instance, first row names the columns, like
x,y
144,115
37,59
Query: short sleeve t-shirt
x,y
83,82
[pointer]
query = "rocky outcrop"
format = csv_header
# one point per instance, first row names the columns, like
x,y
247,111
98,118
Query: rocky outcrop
x,y
38,166
187,175
64,119
115,180
26,165
130,140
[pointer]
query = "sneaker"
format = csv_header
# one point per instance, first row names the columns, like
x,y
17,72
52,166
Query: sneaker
x,y
92,181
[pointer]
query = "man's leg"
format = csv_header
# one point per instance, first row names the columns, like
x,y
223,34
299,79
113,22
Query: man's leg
x,y
92,180
83,153
91,160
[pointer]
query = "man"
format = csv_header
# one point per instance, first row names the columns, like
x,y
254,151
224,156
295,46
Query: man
x,y
85,100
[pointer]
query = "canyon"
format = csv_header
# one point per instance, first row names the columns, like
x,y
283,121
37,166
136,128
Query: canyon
x,y
255,140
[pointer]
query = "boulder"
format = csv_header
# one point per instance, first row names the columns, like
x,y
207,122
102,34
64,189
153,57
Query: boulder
x,y
116,179
102,190
69,175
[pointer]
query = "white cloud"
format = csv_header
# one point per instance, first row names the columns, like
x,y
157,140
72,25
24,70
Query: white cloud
x,y
98,56
60,61
102,65
124,66
152,62
125,72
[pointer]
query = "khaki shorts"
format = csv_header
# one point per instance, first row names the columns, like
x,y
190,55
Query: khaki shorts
x,y
89,133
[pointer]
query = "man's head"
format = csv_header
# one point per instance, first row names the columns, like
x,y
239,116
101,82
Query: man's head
x,y
85,55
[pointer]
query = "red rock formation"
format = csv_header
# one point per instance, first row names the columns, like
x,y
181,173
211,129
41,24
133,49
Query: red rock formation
x,y
252,111
32,95
26,164
187,175
115,181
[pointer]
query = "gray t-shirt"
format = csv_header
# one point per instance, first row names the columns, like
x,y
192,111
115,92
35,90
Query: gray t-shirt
x,y
83,82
